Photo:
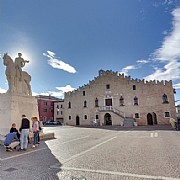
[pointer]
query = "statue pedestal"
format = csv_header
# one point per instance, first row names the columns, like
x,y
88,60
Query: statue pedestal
x,y
12,106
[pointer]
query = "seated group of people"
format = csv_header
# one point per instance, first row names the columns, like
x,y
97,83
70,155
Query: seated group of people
x,y
15,138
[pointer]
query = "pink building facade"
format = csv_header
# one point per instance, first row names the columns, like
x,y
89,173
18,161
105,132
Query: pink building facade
x,y
46,107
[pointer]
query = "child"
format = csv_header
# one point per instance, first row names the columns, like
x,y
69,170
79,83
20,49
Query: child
x,y
13,129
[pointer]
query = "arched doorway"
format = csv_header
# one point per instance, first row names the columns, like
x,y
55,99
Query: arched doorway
x,y
77,121
149,119
154,118
107,119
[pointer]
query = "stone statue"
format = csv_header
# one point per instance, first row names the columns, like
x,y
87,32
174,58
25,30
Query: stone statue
x,y
18,80
19,64
10,72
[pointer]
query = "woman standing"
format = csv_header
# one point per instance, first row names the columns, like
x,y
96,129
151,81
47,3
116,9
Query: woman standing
x,y
35,129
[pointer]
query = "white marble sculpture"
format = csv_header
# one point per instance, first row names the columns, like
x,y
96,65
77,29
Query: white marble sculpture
x,y
18,80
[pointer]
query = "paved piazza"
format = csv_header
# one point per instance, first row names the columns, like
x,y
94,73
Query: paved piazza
x,y
112,153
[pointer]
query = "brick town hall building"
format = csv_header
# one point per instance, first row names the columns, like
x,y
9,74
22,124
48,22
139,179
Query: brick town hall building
x,y
112,99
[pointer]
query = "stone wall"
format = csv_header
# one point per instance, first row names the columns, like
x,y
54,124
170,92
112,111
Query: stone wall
x,y
12,107
149,96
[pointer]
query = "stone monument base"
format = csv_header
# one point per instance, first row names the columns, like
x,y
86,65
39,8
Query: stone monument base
x,y
43,136
12,106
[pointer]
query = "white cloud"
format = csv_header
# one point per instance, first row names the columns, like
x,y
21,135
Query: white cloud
x,y
171,71
170,49
166,3
50,93
2,90
59,93
35,94
176,86
51,53
169,53
142,61
66,88
126,69
47,55
58,64
129,67
139,64
55,63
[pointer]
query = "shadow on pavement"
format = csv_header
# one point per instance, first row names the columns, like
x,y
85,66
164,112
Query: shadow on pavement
x,y
34,163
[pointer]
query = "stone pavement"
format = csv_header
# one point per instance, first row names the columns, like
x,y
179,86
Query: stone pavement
x,y
79,153
40,164
35,163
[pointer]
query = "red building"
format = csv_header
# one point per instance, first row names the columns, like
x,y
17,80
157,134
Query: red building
x,y
46,107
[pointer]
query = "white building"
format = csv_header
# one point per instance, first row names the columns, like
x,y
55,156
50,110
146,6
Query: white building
x,y
59,111
178,111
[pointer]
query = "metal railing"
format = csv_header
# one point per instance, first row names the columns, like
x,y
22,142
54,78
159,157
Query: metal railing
x,y
112,109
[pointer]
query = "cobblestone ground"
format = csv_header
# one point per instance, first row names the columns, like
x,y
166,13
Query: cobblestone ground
x,y
84,153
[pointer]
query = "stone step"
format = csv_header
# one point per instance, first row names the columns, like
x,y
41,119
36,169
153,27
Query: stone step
x,y
128,122
43,136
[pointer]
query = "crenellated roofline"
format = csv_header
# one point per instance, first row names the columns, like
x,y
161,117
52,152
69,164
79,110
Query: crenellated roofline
x,y
103,73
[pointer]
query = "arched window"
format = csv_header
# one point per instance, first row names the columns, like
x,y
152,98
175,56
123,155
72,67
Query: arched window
x,y
85,116
135,100
85,103
69,105
121,101
165,98
96,102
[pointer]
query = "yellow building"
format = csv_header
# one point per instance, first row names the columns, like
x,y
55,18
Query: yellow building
x,y
112,99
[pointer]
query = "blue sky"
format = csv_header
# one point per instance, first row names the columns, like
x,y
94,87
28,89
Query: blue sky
x,y
68,41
